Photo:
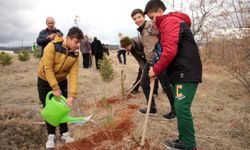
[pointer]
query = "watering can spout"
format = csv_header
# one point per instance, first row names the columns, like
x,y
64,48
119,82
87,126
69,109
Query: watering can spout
x,y
76,119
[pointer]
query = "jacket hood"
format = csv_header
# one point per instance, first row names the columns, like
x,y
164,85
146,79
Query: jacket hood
x,y
180,15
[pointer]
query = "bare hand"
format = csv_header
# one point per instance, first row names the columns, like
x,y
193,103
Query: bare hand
x,y
57,93
70,101
151,72
52,36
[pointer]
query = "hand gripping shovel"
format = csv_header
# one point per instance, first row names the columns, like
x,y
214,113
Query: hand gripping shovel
x,y
147,113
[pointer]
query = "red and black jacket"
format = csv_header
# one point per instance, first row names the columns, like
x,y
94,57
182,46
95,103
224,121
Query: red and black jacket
x,y
180,54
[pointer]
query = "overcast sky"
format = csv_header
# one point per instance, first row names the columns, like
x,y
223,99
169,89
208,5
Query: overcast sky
x,y
24,19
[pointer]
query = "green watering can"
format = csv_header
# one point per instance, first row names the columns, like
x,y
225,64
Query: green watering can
x,y
56,111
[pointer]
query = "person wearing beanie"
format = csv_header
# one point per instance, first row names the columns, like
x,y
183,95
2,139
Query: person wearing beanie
x,y
181,58
125,41
149,35
135,47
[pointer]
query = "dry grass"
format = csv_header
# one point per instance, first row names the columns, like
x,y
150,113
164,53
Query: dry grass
x,y
221,108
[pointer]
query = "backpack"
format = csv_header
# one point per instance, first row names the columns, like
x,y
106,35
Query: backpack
x,y
157,53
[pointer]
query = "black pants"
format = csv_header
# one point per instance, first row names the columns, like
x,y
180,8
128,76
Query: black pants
x,y
97,59
43,89
145,84
121,52
139,75
85,58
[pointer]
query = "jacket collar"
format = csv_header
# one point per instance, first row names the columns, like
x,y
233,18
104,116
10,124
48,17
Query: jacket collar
x,y
159,20
140,29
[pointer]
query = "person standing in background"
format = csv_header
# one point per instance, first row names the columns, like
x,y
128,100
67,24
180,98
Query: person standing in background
x,y
97,48
85,48
47,35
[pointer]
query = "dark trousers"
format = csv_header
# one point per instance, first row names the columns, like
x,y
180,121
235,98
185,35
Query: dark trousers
x,y
121,52
139,76
43,89
145,84
97,59
85,58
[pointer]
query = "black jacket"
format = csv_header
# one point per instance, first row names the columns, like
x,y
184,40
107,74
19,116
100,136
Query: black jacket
x,y
42,38
186,67
97,48
137,52
180,55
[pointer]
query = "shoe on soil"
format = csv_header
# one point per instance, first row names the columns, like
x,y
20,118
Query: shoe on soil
x,y
152,111
176,145
170,115
51,141
134,92
66,138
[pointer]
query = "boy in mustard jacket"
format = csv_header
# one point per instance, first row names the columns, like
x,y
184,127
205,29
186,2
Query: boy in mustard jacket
x,y
60,59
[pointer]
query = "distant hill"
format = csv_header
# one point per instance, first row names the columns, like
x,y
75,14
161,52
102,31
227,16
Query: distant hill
x,y
16,49
113,47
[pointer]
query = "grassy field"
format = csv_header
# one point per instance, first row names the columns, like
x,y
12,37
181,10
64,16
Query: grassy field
x,y
221,111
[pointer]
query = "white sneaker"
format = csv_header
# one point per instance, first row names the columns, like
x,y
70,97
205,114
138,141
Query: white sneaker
x,y
51,141
66,138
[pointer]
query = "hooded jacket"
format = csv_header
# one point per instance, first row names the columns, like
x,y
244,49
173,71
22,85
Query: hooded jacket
x,y
180,54
57,63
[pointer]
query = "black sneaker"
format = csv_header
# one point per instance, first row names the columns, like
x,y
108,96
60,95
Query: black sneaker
x,y
176,145
170,115
151,112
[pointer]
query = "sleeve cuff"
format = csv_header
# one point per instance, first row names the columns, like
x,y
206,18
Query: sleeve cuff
x,y
55,87
72,94
155,71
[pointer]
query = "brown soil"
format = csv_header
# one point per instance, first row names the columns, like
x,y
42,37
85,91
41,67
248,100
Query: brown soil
x,y
111,100
115,132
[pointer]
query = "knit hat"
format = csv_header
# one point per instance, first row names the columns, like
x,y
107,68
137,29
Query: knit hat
x,y
125,41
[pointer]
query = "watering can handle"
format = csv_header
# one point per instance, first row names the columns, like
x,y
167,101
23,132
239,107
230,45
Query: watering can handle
x,y
62,98
48,97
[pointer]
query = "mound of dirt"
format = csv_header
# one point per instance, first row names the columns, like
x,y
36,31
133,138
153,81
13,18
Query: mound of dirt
x,y
115,136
